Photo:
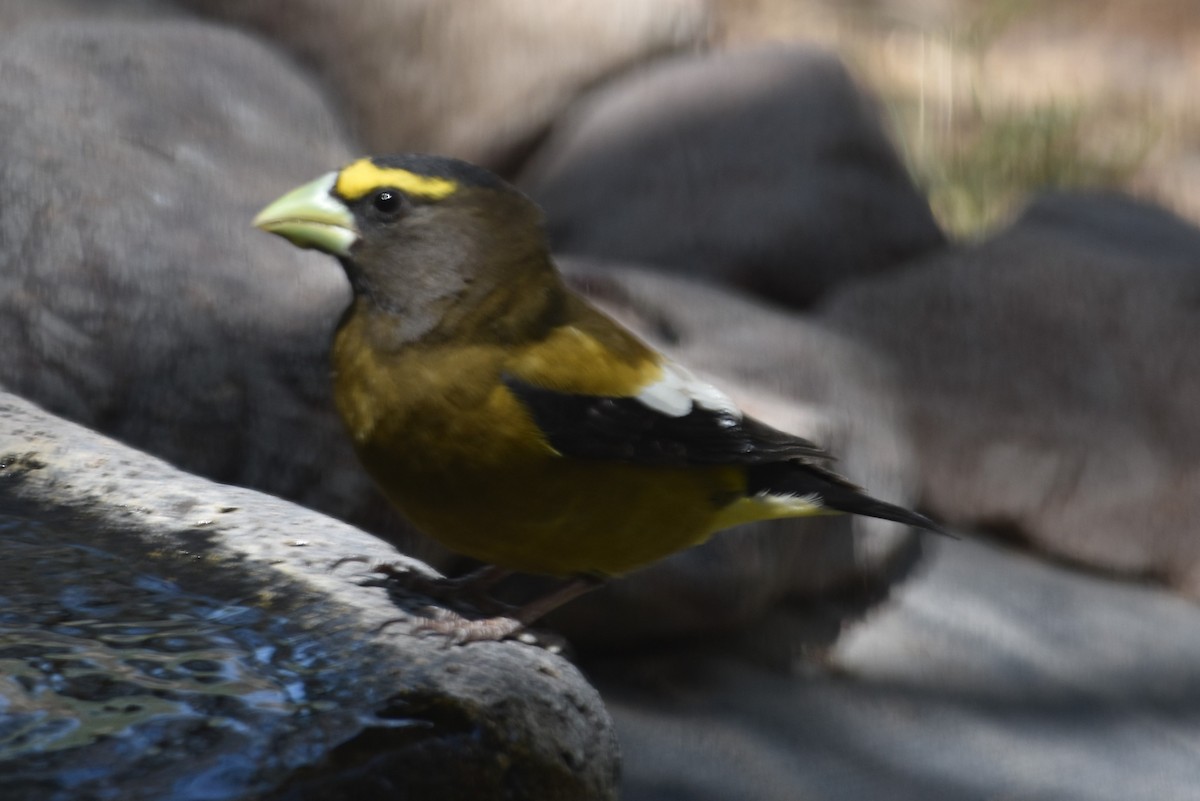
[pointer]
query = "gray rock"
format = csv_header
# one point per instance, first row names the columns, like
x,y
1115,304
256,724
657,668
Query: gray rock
x,y
1053,381
135,297
991,676
422,75
793,375
191,640
766,168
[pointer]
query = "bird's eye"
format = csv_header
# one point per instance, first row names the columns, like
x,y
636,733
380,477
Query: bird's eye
x,y
387,202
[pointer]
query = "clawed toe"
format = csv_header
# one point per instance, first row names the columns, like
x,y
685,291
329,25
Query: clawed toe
x,y
358,557
483,618
459,630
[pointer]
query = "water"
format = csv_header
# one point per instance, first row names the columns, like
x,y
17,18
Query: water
x,y
111,675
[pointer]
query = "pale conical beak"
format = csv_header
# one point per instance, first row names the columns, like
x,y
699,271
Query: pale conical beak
x,y
311,217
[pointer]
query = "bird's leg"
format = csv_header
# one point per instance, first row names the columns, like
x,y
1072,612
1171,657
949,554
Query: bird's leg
x,y
567,591
463,630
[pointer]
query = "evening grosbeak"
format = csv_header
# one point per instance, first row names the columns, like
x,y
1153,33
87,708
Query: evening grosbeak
x,y
508,418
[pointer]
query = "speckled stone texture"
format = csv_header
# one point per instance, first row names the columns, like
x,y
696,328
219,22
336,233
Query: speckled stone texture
x,y
397,713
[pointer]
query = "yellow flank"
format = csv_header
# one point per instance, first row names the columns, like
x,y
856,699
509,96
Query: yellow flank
x,y
364,176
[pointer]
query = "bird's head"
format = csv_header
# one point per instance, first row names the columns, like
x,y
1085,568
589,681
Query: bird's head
x,y
416,234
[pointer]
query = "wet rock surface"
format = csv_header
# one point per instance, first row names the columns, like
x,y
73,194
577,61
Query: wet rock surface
x,y
114,677
164,637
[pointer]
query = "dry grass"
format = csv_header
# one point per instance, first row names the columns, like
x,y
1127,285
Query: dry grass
x,y
993,99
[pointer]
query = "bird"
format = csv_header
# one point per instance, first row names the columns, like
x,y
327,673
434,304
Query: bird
x,y
511,420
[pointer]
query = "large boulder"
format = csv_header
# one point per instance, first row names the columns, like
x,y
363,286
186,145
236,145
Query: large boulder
x,y
479,83
1053,381
766,168
135,297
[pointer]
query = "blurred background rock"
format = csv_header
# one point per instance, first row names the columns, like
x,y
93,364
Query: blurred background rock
x,y
480,81
765,167
955,240
1052,376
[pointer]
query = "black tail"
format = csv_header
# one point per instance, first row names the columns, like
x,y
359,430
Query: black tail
x,y
800,478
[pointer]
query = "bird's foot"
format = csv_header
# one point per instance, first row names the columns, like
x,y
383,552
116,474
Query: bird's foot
x,y
484,619
510,623
460,630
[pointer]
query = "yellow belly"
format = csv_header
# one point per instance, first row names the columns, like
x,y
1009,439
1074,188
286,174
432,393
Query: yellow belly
x,y
563,516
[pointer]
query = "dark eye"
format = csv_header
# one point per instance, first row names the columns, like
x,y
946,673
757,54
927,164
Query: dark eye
x,y
387,202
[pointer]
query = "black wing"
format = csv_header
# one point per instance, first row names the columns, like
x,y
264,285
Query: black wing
x,y
627,430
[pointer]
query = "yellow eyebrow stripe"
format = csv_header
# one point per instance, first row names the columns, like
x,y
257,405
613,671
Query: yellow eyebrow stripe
x,y
365,176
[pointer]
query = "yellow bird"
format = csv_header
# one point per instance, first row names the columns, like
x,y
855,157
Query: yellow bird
x,y
509,419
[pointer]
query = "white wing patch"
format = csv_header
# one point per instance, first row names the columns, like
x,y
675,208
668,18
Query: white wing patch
x,y
680,389
809,504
